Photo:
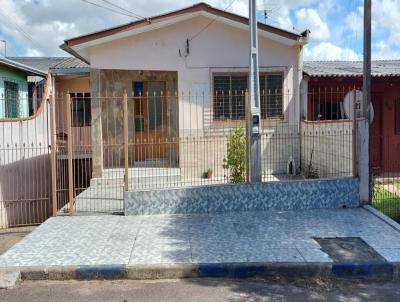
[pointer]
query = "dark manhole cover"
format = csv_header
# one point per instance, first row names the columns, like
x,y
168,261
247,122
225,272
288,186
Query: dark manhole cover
x,y
348,249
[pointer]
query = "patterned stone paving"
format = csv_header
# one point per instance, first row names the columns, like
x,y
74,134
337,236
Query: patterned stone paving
x,y
305,194
269,236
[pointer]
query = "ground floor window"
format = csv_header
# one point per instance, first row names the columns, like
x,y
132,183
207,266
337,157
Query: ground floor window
x,y
11,105
327,110
229,96
81,109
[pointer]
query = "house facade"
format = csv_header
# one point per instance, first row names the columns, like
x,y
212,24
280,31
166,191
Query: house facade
x,y
185,73
18,89
328,84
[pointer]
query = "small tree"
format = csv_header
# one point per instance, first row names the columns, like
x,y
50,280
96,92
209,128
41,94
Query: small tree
x,y
235,160
310,170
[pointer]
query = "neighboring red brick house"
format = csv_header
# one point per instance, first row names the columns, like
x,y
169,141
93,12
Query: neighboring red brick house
x,y
328,83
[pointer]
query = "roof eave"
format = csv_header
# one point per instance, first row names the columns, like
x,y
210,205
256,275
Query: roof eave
x,y
70,71
200,7
72,52
349,75
29,70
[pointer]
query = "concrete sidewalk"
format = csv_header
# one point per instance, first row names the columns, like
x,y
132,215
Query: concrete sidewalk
x,y
247,237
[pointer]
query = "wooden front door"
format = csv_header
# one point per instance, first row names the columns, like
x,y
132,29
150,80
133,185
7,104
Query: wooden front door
x,y
150,119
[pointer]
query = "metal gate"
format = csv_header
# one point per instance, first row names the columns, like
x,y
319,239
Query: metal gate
x,y
25,178
385,154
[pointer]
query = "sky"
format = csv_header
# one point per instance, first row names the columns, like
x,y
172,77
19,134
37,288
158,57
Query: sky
x,y
38,27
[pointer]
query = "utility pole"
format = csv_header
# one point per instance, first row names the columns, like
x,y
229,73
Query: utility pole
x,y
363,125
254,112
367,59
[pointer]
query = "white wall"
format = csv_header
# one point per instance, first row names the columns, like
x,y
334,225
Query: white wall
x,y
25,169
218,48
330,144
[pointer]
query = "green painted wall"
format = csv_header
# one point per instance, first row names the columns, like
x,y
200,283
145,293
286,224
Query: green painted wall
x,y
20,78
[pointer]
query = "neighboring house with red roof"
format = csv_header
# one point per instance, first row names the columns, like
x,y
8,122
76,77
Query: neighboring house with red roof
x,y
329,82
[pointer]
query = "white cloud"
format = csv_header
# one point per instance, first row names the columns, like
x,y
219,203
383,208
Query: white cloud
x,y
354,21
49,22
31,52
329,51
308,18
280,15
386,15
382,50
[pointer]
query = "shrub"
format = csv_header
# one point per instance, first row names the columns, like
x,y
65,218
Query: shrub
x,y
235,160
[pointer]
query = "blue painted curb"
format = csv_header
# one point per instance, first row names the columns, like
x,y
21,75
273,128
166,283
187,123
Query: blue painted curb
x,y
230,270
213,270
273,269
247,271
363,270
102,272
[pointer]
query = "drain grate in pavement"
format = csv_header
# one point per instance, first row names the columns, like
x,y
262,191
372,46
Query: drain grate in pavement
x,y
348,249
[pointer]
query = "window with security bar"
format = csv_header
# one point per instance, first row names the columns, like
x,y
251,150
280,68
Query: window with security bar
x,y
326,110
11,99
229,96
81,110
271,97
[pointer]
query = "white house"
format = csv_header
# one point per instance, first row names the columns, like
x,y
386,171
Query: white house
x,y
184,72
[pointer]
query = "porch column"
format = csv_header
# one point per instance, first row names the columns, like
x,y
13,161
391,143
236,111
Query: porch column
x,y
96,129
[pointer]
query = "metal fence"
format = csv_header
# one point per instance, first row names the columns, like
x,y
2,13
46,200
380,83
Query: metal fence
x,y
109,144
386,179
385,152
97,147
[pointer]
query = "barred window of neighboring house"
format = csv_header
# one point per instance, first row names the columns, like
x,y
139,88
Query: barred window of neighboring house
x,y
81,110
11,106
326,110
229,98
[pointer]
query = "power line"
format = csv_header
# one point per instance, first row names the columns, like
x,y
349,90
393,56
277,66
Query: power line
x,y
211,22
124,9
23,32
111,10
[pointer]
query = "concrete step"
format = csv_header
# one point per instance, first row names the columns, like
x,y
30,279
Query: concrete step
x,y
137,176
133,181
